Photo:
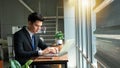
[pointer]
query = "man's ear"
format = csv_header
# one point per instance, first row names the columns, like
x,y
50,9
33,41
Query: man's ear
x,y
29,23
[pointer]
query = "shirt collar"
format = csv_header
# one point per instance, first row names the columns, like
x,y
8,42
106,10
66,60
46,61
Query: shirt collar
x,y
30,33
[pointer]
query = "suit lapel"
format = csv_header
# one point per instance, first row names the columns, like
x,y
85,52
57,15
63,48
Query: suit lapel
x,y
28,36
35,42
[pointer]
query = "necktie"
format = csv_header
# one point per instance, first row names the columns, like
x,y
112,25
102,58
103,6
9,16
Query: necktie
x,y
33,42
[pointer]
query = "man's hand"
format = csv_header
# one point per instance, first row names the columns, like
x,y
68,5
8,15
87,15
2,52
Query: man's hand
x,y
49,50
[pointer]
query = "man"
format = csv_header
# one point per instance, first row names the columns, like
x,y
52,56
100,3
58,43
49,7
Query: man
x,y
24,46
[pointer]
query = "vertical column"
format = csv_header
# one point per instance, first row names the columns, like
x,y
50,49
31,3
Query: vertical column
x,y
69,29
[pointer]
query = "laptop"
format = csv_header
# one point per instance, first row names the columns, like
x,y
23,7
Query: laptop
x,y
68,44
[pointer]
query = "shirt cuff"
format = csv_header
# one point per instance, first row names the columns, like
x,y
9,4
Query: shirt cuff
x,y
40,52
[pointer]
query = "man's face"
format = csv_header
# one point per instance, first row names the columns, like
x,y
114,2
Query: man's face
x,y
35,27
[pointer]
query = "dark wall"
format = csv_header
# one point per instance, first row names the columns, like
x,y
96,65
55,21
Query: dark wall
x,y
48,7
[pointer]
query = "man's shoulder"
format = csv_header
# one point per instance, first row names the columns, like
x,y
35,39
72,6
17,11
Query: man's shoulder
x,y
20,32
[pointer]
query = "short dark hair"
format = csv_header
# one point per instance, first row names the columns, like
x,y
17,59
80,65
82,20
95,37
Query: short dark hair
x,y
35,16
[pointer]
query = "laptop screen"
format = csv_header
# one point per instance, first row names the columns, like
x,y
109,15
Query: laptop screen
x,y
67,45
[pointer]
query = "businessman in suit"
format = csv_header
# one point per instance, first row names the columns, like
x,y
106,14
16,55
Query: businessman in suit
x,y
24,46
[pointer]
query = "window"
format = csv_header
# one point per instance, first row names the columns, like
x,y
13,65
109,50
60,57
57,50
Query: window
x,y
85,27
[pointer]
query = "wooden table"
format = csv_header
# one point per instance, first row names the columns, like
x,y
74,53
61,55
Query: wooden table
x,y
50,60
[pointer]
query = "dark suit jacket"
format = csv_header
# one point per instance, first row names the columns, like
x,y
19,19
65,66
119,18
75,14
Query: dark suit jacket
x,y
23,46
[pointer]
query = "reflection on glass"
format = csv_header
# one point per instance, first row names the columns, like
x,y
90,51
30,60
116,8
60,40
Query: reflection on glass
x,y
43,29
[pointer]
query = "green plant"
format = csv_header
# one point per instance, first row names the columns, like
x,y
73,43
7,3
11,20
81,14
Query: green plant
x,y
16,64
59,35
26,65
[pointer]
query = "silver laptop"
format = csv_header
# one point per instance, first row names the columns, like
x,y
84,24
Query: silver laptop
x,y
68,44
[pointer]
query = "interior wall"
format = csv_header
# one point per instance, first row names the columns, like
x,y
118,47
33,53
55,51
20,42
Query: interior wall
x,y
48,7
33,4
12,14
0,17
